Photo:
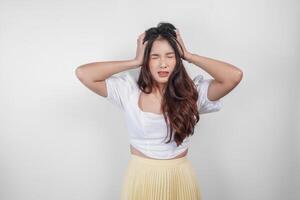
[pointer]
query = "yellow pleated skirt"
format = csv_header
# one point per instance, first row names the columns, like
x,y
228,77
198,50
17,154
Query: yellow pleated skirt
x,y
158,179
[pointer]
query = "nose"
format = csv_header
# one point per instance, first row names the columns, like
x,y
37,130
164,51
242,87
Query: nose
x,y
163,64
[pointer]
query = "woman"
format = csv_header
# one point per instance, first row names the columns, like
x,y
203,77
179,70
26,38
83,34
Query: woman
x,y
161,108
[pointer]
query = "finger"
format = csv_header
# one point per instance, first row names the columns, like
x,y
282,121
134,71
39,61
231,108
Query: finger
x,y
141,35
177,36
145,43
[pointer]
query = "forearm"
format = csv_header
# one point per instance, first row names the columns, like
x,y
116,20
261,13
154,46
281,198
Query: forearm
x,y
98,71
219,70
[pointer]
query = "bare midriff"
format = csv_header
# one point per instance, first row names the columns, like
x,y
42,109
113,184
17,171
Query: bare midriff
x,y
138,153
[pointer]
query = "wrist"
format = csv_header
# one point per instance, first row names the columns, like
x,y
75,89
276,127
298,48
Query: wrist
x,y
136,63
189,57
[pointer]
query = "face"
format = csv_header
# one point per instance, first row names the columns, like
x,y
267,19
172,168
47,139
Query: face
x,y
162,58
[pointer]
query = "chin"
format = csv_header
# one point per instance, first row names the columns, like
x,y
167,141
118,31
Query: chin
x,y
162,79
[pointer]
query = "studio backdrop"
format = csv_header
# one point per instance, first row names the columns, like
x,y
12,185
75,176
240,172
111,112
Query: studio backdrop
x,y
61,141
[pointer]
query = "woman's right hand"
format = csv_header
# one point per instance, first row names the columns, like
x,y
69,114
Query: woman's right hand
x,y
140,49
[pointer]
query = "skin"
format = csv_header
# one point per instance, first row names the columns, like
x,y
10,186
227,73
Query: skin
x,y
226,76
161,58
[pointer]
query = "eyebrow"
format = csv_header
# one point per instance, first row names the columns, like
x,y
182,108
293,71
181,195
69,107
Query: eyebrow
x,y
155,54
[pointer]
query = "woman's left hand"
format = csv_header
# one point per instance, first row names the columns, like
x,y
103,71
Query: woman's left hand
x,y
185,54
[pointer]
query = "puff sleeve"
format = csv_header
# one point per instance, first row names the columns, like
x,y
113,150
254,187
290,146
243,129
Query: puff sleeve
x,y
204,104
119,89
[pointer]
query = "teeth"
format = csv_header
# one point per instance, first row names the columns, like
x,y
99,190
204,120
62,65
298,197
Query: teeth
x,y
163,73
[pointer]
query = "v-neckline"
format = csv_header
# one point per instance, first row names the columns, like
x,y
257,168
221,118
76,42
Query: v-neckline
x,y
145,112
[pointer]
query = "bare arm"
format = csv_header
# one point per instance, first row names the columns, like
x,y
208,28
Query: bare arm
x,y
226,76
99,71
93,75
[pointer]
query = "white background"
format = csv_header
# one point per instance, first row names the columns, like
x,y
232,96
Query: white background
x,y
60,141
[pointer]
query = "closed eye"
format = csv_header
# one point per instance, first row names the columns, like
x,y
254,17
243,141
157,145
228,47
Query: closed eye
x,y
154,56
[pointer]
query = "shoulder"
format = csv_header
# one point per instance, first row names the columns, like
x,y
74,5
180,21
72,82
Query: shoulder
x,y
119,88
198,79
201,83
205,105
123,82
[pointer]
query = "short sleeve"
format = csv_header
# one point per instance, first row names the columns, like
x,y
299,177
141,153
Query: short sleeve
x,y
204,104
119,89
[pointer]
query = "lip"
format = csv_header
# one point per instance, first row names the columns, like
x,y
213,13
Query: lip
x,y
162,71
163,75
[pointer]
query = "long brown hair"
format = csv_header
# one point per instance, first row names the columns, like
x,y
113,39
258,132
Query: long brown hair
x,y
180,95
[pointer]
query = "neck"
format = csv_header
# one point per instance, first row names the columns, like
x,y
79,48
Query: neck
x,y
159,89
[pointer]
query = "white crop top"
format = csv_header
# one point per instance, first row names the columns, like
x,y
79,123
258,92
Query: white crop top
x,y
147,130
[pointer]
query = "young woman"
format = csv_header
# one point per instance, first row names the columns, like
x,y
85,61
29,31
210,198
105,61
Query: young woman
x,y
161,108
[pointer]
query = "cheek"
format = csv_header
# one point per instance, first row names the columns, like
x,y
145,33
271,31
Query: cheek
x,y
153,62
172,64
152,67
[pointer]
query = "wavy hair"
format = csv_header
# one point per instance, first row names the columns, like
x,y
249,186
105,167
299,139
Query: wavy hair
x,y
179,101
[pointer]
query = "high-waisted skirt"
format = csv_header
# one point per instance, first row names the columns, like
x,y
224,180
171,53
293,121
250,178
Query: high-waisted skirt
x,y
158,179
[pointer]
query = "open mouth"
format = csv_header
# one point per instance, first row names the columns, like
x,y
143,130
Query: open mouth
x,y
163,74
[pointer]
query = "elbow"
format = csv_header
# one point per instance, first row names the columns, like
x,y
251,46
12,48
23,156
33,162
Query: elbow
x,y
238,76
78,72
235,77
